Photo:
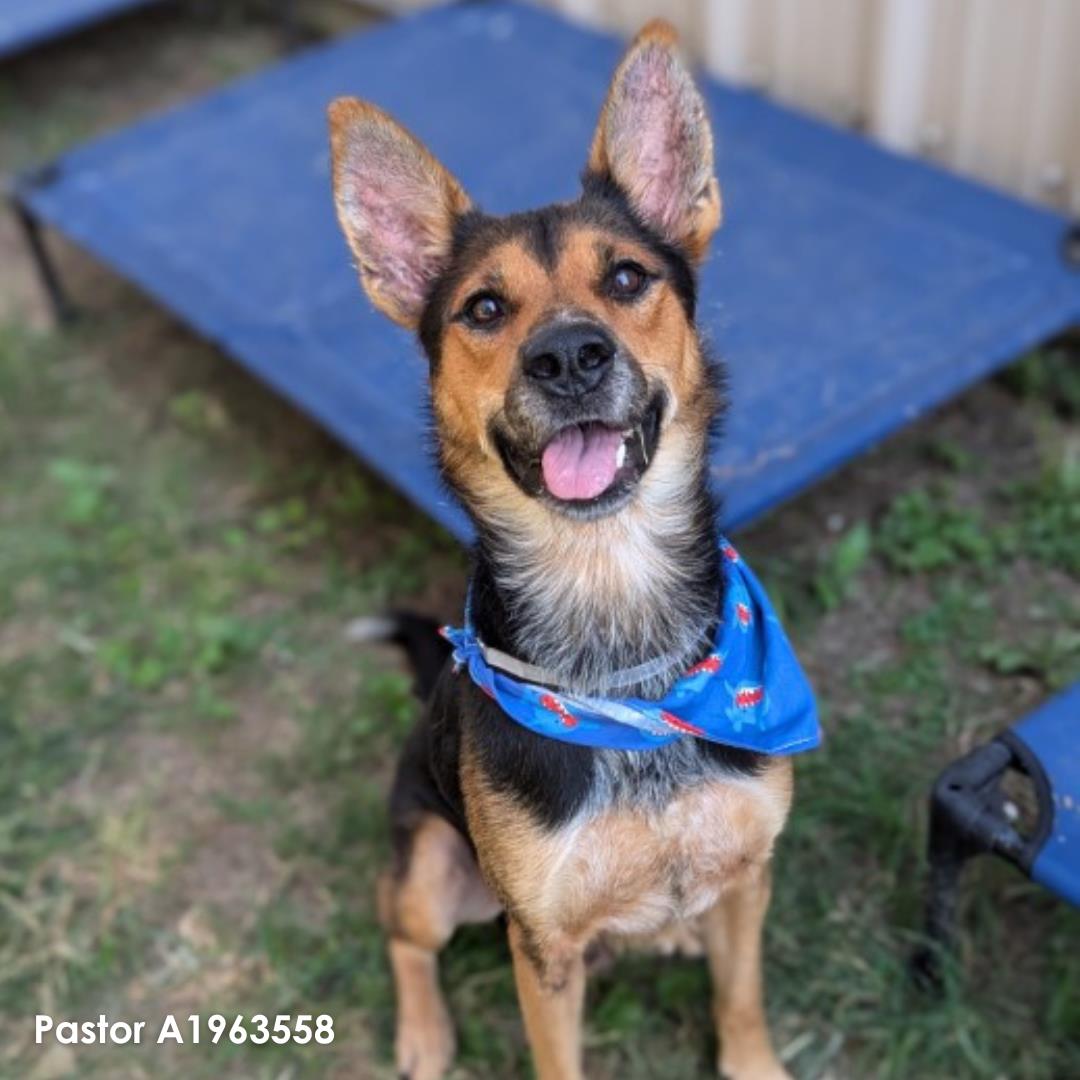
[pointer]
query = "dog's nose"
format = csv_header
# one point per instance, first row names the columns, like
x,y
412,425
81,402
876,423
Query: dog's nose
x,y
568,359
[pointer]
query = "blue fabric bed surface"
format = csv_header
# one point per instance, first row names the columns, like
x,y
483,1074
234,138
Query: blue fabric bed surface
x,y
849,290
25,23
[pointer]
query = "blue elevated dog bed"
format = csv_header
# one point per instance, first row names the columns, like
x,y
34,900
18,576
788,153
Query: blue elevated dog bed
x,y
26,23
971,814
850,289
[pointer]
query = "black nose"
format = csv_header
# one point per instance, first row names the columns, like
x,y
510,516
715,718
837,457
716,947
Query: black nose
x,y
568,359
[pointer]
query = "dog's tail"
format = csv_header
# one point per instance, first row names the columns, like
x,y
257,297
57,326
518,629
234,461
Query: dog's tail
x,y
418,635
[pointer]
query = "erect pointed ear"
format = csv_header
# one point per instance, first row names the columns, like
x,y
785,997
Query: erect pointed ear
x,y
654,141
396,204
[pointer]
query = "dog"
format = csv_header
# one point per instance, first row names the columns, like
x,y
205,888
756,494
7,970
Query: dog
x,y
573,406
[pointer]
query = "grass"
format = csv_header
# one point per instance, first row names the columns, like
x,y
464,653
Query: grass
x,y
193,761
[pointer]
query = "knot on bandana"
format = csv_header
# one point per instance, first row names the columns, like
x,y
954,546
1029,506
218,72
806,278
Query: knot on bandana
x,y
748,692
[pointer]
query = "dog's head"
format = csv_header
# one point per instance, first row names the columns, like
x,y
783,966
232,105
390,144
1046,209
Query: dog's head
x,y
566,372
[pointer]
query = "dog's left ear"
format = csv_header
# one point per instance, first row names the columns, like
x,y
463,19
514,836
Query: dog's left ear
x,y
654,141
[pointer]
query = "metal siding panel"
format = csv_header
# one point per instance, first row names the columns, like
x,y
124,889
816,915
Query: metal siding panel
x,y
792,40
762,33
869,60
586,10
1051,149
627,17
990,89
820,54
997,58
729,39
905,36
937,132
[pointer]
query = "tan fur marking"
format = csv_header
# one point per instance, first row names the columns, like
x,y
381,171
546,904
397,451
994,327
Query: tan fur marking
x,y
424,1043
732,931
702,859
622,871
439,890
476,369
550,1008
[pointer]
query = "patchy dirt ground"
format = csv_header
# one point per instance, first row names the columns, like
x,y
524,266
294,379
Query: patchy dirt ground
x,y
193,759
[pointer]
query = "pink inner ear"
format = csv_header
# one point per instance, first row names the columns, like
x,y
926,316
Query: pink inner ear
x,y
656,137
393,202
395,246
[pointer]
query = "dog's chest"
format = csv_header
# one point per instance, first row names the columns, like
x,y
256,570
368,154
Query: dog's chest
x,y
633,871
620,868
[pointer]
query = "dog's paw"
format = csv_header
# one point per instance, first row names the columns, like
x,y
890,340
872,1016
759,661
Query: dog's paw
x,y
424,1050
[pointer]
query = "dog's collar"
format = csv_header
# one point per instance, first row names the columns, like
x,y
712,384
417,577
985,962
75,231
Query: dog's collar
x,y
749,692
617,680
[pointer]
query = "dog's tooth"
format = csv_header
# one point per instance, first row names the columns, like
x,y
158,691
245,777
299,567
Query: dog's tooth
x,y
620,455
644,448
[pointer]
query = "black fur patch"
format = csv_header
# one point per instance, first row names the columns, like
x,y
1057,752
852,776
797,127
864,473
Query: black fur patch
x,y
543,236
550,778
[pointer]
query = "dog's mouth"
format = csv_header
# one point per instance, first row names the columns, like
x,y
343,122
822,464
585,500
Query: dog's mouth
x,y
591,467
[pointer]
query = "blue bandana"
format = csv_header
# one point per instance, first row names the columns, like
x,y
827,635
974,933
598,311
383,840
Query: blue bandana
x,y
749,692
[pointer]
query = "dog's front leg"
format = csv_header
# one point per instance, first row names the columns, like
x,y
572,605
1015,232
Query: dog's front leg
x,y
551,991
436,888
732,931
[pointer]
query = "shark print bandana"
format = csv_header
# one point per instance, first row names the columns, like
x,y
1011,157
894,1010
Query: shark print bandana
x,y
749,692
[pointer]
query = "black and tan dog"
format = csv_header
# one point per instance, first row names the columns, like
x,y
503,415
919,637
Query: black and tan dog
x,y
573,404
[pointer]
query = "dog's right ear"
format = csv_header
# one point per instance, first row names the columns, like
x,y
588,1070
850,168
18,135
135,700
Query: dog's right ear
x,y
396,204
654,141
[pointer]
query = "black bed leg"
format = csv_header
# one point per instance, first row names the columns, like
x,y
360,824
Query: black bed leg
x,y
62,309
966,819
947,856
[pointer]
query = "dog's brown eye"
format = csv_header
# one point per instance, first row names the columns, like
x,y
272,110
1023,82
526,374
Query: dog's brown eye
x,y
483,309
627,280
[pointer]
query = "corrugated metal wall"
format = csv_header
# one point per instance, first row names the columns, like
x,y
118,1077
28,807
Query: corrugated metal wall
x,y
989,87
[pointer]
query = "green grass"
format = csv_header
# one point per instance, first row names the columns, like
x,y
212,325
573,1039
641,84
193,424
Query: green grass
x,y
194,762
166,581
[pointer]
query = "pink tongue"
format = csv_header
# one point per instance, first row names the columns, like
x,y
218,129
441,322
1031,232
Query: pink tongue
x,y
579,463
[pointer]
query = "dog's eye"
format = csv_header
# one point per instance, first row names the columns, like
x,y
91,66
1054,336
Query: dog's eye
x,y
483,310
627,280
